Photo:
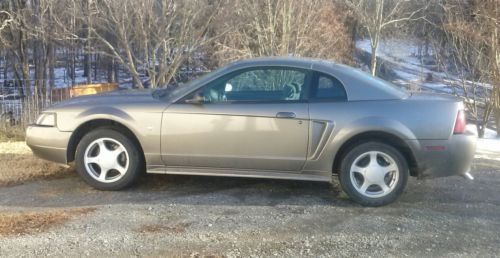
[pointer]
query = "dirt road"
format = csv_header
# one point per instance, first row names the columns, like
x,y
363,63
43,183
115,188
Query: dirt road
x,y
201,216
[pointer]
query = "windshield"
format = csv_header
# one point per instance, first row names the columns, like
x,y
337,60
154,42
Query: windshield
x,y
175,92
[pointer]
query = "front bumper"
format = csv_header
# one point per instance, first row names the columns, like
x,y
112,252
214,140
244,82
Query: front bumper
x,y
441,158
48,142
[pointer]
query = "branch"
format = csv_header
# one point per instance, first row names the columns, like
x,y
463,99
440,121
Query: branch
x,y
6,22
409,18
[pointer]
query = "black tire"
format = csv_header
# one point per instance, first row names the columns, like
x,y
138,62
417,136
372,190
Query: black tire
x,y
135,166
348,186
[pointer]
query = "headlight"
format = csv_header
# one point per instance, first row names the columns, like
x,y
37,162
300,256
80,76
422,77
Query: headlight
x,y
46,119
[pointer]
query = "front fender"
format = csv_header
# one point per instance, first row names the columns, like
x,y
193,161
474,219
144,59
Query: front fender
x,y
145,126
71,121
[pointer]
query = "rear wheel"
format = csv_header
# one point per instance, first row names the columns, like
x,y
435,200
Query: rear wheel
x,y
373,174
107,160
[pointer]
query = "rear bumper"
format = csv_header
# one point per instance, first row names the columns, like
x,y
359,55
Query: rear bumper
x,y
48,142
441,158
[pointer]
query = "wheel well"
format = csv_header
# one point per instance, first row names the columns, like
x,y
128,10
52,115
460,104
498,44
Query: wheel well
x,y
85,128
383,137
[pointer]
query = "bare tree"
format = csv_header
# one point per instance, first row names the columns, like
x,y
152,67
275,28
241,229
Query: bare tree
x,y
155,41
488,15
465,62
471,52
152,37
282,28
15,39
87,30
375,16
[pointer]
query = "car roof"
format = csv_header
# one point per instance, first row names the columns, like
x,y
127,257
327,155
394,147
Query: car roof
x,y
276,61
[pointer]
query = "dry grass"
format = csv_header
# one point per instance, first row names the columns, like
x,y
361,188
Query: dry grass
x,y
18,164
14,147
22,223
15,133
158,228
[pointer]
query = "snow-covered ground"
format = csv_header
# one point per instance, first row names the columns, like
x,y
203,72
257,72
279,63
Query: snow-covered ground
x,y
62,80
487,147
407,64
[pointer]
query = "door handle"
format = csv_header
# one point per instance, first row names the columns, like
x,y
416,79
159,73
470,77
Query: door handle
x,y
286,115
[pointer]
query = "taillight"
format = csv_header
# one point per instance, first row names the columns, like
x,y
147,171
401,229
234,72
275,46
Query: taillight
x,y
460,123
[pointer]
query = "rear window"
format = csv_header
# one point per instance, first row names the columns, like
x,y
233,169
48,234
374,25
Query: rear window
x,y
381,89
328,88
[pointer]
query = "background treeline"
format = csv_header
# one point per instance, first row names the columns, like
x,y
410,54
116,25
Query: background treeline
x,y
156,43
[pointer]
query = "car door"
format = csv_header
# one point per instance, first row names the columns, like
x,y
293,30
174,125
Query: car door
x,y
249,119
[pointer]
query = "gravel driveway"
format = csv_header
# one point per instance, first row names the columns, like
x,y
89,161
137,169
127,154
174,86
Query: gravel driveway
x,y
230,217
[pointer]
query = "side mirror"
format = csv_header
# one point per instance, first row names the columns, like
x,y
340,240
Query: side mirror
x,y
197,99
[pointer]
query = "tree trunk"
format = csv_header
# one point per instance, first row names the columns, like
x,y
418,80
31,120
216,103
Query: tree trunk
x,y
373,62
86,66
88,55
97,64
110,70
26,78
116,71
2,62
427,43
37,66
497,121
73,67
480,130
52,75
5,69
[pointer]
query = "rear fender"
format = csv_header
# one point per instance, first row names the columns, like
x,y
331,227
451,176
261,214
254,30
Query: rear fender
x,y
369,124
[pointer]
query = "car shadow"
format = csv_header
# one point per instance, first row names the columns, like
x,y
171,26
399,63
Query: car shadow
x,y
71,191
152,189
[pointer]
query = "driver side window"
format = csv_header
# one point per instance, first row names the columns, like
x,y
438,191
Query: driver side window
x,y
262,84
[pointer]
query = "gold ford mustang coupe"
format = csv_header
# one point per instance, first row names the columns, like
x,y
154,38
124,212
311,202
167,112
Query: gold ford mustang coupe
x,y
285,118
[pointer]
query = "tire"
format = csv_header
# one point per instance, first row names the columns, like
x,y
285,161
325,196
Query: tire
x,y
121,159
376,164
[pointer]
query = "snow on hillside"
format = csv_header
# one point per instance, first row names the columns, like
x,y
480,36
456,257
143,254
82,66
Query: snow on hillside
x,y
403,57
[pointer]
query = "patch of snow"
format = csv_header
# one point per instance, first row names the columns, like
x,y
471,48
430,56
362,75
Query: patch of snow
x,y
364,45
407,76
487,147
438,87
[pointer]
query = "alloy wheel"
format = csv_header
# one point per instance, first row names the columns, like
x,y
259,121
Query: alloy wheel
x,y
106,160
374,174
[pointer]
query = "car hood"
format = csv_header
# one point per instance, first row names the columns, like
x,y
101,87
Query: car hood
x,y
118,97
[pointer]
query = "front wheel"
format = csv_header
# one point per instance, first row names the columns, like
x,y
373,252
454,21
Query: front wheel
x,y
107,160
373,174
